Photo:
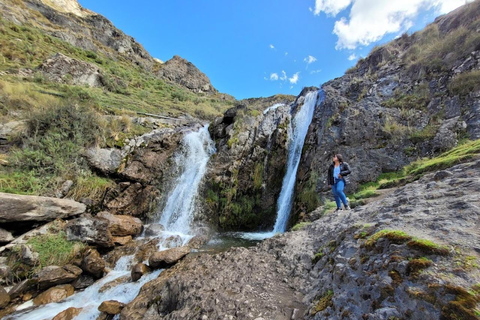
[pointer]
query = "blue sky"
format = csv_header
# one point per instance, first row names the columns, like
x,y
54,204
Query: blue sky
x,y
255,48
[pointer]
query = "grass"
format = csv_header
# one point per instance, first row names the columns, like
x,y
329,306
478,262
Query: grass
x,y
415,266
465,83
54,249
463,152
428,247
323,303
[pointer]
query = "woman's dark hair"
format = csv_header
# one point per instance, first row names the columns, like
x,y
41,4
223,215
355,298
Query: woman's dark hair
x,y
339,157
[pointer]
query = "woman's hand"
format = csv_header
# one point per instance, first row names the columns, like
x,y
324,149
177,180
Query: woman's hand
x,y
340,176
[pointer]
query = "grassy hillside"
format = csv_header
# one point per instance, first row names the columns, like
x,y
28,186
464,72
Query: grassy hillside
x,y
126,87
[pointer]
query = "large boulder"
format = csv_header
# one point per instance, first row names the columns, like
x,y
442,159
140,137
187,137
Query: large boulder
x,y
20,208
54,294
122,225
63,69
105,160
93,263
54,275
167,258
93,230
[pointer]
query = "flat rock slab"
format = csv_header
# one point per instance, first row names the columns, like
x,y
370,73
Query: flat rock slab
x,y
20,208
166,258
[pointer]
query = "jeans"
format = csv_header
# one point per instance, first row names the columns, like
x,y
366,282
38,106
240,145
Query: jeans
x,y
338,194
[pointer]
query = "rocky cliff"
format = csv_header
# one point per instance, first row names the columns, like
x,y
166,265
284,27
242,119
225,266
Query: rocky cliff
x,y
414,97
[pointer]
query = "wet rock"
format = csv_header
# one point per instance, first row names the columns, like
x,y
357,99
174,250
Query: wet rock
x,y
440,175
54,294
68,314
139,270
122,240
4,298
154,229
105,160
63,69
84,281
167,258
122,225
135,200
5,236
197,241
54,275
93,263
111,307
20,208
93,230
112,284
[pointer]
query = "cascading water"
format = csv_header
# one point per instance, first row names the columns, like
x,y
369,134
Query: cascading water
x,y
178,212
197,147
300,125
297,132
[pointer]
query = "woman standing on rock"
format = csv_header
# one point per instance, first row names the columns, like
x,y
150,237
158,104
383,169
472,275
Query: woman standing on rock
x,y
336,173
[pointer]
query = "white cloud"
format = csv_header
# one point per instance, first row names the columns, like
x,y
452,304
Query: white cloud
x,y
274,77
352,57
294,78
330,7
310,59
286,53
315,71
370,20
272,46
284,76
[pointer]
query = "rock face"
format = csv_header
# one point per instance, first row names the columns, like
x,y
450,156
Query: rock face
x,y
181,71
111,307
19,208
63,69
93,230
356,263
4,298
5,236
138,271
68,314
246,174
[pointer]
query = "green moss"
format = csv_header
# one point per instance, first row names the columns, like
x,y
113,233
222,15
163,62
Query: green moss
x,y
308,197
464,306
429,132
395,236
428,247
300,226
258,176
318,256
323,303
416,265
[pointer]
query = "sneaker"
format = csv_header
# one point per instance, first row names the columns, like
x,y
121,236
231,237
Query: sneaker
x,y
338,209
347,207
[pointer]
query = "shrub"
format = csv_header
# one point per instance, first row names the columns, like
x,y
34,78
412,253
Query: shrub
x,y
465,83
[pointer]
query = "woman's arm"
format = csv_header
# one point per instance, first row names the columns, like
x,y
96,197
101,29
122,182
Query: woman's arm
x,y
346,169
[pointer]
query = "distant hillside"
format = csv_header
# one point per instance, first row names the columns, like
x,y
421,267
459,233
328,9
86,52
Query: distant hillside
x,y
98,64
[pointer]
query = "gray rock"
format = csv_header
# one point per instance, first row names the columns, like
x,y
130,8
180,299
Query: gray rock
x,y
4,298
139,270
5,236
154,229
27,256
167,258
54,275
106,160
93,263
20,208
63,69
93,230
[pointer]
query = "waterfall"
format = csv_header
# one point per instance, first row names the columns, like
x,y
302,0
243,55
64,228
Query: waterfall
x,y
197,147
298,132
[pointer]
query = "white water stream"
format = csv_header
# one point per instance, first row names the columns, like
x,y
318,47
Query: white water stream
x,y
297,132
197,147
